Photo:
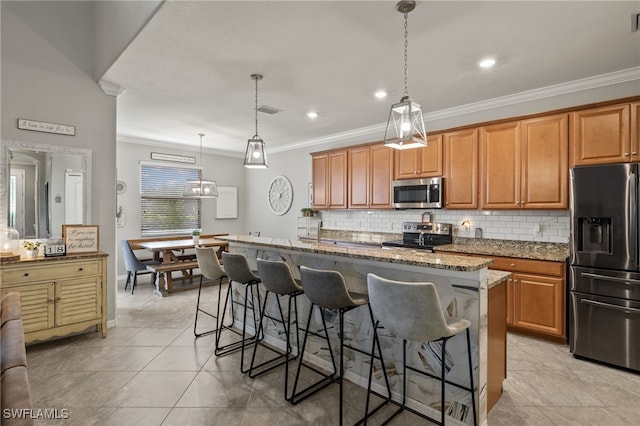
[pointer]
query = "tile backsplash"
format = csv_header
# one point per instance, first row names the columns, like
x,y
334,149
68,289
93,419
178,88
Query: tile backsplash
x,y
524,225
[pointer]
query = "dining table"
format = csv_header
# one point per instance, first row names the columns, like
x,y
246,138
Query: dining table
x,y
171,254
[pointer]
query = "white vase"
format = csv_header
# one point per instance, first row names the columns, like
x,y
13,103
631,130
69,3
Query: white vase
x,y
30,254
196,239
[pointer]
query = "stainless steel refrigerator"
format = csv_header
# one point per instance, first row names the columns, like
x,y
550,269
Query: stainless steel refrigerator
x,y
604,279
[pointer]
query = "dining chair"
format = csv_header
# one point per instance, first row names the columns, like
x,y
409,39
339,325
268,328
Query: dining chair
x,y
134,265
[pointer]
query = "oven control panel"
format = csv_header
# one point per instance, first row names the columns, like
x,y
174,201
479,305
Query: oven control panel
x,y
433,228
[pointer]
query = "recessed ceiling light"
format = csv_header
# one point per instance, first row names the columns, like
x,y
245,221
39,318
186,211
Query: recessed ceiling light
x,y
380,94
487,63
312,114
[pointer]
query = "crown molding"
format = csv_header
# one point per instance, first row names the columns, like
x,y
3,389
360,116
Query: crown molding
x,y
176,145
111,89
609,79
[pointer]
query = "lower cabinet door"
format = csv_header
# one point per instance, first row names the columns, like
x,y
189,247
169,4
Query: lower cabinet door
x,y
539,303
78,300
37,305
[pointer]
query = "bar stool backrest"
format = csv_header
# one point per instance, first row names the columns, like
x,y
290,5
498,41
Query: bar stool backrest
x,y
276,277
411,311
237,268
326,289
208,263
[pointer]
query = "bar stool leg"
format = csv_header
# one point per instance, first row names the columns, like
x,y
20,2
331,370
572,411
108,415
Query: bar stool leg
x,y
195,324
327,379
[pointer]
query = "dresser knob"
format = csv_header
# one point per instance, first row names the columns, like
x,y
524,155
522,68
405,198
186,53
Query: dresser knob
x,y
513,265
26,274
80,269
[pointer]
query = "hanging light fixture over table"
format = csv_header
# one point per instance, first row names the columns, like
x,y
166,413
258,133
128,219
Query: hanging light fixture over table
x,y
255,157
200,188
405,128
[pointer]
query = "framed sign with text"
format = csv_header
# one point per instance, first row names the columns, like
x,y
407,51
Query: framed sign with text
x,y
80,238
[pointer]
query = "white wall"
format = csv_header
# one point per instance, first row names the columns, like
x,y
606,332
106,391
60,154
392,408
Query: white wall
x,y
296,165
226,171
46,75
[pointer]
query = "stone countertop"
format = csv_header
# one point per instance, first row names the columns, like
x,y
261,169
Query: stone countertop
x,y
556,252
496,277
369,252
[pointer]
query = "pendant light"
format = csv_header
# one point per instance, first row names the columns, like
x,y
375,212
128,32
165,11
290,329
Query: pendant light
x,y
200,188
255,157
405,128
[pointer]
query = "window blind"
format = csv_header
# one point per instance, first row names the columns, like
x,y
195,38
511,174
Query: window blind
x,y
163,208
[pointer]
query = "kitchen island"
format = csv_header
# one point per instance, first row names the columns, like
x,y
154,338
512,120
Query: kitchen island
x,y
462,284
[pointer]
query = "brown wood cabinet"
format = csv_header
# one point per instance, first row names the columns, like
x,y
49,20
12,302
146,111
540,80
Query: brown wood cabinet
x,y
370,171
603,135
420,162
524,164
536,296
461,169
329,177
59,296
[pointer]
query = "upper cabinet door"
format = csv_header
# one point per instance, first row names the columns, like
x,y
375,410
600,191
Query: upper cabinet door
x,y
461,169
320,180
420,162
338,179
635,131
359,159
381,195
600,135
500,166
545,163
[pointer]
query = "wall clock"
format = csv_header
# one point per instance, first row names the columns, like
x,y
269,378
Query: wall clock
x,y
280,195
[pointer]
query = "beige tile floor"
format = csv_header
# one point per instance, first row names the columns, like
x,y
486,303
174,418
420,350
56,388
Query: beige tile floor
x,y
150,371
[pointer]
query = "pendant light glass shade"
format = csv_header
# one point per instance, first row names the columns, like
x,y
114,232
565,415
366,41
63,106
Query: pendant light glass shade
x,y
405,128
255,157
200,188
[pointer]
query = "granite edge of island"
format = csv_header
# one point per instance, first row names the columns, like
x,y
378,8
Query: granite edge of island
x,y
370,252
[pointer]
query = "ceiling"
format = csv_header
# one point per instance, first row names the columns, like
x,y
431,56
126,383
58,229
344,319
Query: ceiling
x,y
188,71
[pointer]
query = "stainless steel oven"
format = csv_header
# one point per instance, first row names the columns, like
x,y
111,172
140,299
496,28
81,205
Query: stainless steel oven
x,y
424,193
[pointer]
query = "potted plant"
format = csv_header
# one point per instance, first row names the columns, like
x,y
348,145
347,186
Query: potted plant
x,y
195,234
31,248
307,212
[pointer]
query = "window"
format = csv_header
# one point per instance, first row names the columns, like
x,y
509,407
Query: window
x,y
163,208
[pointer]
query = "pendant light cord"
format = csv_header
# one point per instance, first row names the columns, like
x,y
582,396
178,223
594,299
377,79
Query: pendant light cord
x,y
406,56
201,135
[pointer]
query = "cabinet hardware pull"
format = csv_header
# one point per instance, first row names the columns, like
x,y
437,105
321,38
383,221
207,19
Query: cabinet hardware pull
x,y
26,274
512,265
80,269
626,154
50,300
634,153
58,299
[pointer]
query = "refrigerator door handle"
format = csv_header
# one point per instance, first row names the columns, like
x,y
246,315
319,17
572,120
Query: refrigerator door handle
x,y
632,219
608,278
610,306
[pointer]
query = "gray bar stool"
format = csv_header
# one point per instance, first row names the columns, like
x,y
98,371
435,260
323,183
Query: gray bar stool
x,y
277,279
237,269
422,320
210,269
328,290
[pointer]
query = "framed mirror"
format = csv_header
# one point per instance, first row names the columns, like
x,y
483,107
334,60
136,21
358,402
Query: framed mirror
x,y
43,187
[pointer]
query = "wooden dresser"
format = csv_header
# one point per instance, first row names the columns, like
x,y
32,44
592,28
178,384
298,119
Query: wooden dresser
x,y
60,295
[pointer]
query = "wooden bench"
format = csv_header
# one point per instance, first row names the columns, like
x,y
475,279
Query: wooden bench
x,y
162,286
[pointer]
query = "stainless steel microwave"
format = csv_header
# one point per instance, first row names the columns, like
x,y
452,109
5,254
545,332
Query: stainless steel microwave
x,y
427,193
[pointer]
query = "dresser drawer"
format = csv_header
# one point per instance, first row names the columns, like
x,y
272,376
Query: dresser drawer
x,y
51,272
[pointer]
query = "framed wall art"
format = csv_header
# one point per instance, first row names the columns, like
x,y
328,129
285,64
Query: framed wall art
x,y
81,238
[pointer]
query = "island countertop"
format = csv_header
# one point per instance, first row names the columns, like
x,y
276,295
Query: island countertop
x,y
369,252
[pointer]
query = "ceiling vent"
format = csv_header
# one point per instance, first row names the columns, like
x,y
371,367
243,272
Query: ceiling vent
x,y
635,22
268,110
